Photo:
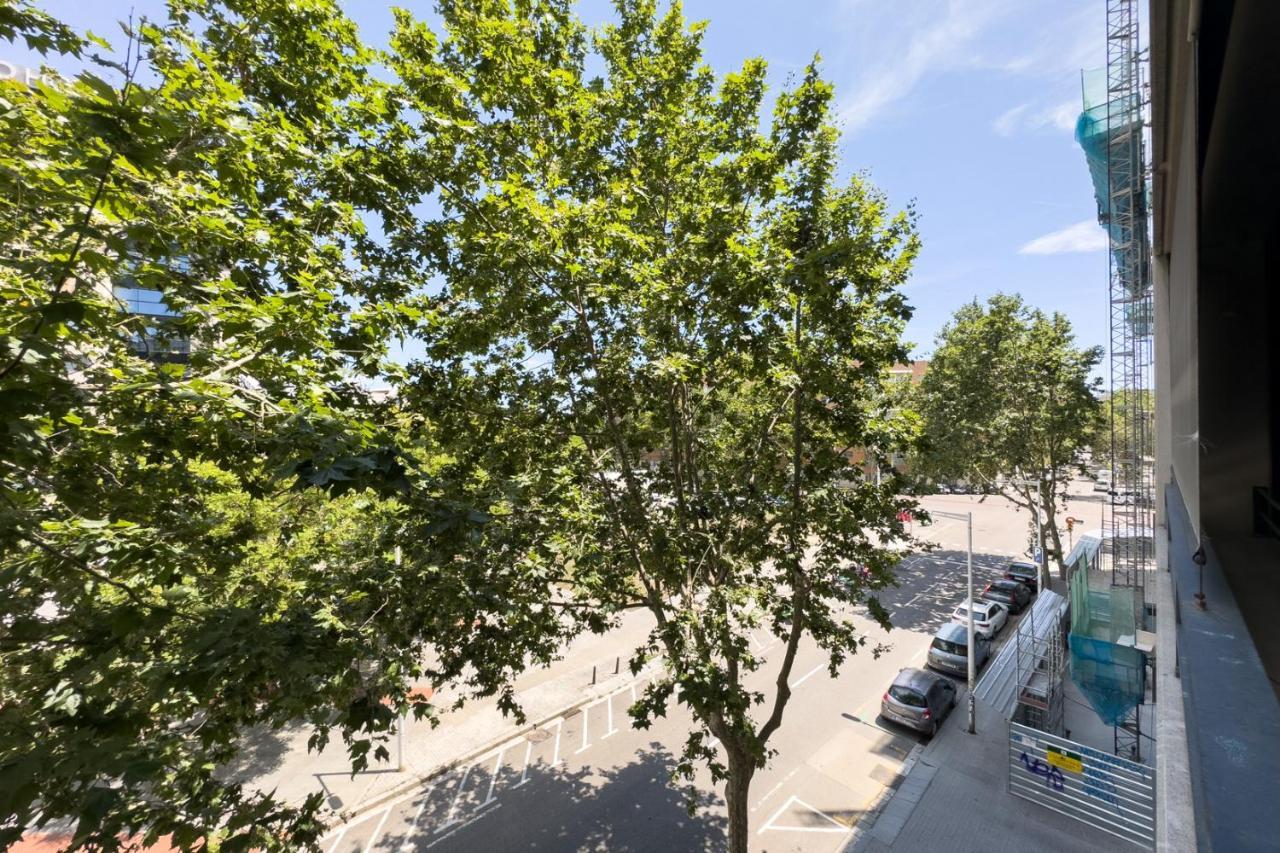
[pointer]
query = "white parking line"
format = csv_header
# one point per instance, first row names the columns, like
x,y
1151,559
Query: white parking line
x,y
493,778
524,772
377,831
609,704
802,679
338,840
408,846
555,758
584,730
448,818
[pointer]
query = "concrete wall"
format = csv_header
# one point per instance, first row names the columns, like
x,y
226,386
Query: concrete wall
x,y
1176,284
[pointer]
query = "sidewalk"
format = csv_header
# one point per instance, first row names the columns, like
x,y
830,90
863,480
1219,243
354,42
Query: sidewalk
x,y
956,798
279,760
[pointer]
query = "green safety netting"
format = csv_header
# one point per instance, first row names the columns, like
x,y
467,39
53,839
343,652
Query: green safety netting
x,y
1110,131
1109,671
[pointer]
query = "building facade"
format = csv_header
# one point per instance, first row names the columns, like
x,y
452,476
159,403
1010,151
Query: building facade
x,y
1215,139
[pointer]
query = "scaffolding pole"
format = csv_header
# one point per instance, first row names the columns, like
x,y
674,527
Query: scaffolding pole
x,y
1130,510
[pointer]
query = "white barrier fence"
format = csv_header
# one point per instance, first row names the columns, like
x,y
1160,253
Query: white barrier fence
x,y
1106,792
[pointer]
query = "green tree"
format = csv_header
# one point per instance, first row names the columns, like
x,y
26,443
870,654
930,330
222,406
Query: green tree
x,y
1009,402
1130,414
193,547
635,267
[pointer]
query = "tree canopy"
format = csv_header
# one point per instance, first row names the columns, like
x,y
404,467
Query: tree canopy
x,y
609,252
638,271
1009,399
196,545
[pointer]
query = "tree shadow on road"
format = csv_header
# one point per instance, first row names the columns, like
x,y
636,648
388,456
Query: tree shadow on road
x,y
635,807
932,585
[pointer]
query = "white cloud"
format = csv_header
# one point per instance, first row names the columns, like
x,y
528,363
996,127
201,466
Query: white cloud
x,y
897,44
1087,236
934,39
1033,116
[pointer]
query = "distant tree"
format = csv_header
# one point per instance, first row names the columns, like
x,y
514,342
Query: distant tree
x,y
1008,400
1125,416
192,547
636,266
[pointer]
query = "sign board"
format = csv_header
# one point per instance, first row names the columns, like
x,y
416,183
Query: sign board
x,y
1095,787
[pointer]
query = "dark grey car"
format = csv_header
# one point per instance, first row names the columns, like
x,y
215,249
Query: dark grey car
x,y
949,651
1012,594
919,699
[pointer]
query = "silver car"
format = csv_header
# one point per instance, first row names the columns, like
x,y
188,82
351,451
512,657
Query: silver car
x,y
919,699
949,651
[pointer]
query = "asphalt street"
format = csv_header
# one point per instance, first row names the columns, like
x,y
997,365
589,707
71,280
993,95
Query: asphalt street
x,y
589,781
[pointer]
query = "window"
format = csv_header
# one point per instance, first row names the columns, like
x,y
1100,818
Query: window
x,y
140,300
906,696
949,647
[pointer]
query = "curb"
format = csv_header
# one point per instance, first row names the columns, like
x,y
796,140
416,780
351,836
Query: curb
x,y
857,841
346,816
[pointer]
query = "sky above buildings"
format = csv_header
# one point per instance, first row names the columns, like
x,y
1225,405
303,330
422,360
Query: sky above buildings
x,y
965,108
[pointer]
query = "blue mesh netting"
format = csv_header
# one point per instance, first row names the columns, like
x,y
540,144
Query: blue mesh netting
x,y
1113,129
1111,676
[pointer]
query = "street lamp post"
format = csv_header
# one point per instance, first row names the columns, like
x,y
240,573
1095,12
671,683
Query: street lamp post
x,y
967,518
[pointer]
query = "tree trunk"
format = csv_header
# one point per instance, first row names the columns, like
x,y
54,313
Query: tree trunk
x,y
735,794
1057,548
1051,532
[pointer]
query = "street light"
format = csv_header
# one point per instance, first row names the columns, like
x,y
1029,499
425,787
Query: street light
x,y
967,518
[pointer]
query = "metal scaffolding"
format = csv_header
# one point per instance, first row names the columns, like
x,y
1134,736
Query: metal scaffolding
x,y
1130,514
1040,660
1105,661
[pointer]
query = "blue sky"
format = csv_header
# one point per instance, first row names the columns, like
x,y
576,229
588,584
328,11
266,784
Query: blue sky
x,y
965,107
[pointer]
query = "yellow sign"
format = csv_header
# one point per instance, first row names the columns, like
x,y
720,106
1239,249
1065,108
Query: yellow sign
x,y
1064,760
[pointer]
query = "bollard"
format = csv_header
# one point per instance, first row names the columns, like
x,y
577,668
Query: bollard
x,y
617,665
593,675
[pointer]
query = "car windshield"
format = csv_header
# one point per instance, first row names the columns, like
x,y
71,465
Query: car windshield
x,y
949,647
906,696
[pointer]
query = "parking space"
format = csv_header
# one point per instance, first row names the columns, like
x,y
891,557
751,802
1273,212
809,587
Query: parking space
x,y
453,803
587,780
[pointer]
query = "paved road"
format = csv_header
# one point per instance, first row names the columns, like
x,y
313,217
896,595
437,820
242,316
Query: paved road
x,y
588,781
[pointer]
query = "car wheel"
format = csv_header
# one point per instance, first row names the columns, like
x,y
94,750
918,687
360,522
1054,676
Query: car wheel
x,y
932,731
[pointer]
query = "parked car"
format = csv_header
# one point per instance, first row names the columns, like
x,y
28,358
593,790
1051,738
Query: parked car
x,y
1025,573
949,651
919,699
1012,594
988,617
944,489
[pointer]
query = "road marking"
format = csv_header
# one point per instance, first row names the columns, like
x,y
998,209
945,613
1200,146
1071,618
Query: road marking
x,y
609,704
584,730
524,773
807,676
448,818
555,758
338,840
776,788
836,826
458,826
408,846
378,830
493,778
